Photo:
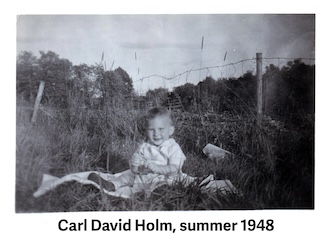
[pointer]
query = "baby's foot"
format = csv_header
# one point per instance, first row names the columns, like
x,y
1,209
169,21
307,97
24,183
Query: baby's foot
x,y
102,182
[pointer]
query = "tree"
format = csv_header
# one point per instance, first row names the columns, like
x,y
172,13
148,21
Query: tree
x,y
55,72
300,82
81,85
237,95
205,93
157,97
187,93
289,91
116,87
125,82
275,91
27,71
221,91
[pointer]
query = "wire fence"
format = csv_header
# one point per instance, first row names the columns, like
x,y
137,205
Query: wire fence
x,y
228,70
232,70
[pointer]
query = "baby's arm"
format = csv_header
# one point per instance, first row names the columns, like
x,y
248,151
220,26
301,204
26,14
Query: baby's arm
x,y
162,169
135,162
175,162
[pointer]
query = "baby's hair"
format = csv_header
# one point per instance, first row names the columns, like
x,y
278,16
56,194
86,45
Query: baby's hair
x,y
158,112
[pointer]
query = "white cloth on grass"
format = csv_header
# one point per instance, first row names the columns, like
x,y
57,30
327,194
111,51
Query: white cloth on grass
x,y
50,182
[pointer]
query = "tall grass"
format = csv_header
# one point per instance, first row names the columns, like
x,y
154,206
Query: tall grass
x,y
267,167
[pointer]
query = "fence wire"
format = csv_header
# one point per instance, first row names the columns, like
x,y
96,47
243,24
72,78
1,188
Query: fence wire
x,y
229,70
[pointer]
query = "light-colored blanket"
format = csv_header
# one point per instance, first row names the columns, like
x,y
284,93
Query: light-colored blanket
x,y
50,182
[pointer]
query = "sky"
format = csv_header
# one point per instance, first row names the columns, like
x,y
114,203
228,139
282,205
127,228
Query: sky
x,y
151,47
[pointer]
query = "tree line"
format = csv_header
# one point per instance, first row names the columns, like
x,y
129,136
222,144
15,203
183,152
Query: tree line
x,y
288,91
87,86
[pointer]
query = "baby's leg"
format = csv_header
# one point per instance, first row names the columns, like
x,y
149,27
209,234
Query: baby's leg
x,y
108,185
126,179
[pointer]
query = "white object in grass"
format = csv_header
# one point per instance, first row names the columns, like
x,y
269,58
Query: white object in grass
x,y
215,152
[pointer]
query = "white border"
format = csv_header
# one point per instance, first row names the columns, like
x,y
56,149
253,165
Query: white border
x,y
307,222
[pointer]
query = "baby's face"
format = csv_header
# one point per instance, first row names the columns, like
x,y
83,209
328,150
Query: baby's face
x,y
159,130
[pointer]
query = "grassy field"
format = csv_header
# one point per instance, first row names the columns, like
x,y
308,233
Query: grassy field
x,y
273,164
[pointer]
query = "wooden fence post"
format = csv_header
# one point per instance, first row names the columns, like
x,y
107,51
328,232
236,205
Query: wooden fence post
x,y
38,99
259,87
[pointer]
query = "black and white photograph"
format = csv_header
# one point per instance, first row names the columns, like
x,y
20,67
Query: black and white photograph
x,y
165,112
164,117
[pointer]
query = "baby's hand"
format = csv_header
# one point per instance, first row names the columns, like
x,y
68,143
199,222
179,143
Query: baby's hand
x,y
151,166
136,162
143,170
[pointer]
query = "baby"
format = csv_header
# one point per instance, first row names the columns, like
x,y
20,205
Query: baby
x,y
159,158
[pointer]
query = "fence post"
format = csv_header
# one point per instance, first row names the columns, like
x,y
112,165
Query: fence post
x,y
259,87
38,99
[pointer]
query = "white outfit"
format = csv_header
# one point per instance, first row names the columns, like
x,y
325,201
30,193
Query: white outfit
x,y
168,153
